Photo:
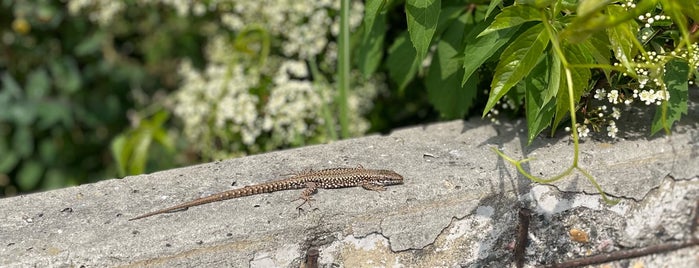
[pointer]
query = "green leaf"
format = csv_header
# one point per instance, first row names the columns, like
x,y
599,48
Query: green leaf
x,y
402,61
22,113
8,161
372,10
371,47
29,175
443,83
676,80
66,75
535,3
10,89
677,8
53,113
38,84
580,76
512,16
599,16
621,36
493,4
598,46
91,44
540,107
516,61
48,151
120,154
158,132
554,80
586,8
23,142
479,51
423,16
139,155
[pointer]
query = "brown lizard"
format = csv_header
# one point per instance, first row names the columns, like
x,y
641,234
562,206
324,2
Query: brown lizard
x,y
370,179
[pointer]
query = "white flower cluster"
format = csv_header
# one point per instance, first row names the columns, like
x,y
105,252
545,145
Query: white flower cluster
x,y
583,130
234,100
303,26
218,98
293,108
99,11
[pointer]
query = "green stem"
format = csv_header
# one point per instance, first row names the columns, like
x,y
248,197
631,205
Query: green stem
x,y
569,82
343,68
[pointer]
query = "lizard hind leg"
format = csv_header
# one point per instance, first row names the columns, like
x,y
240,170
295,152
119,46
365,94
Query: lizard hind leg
x,y
311,188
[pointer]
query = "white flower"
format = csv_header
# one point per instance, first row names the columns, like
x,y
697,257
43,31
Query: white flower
x,y
583,130
616,113
599,93
612,130
647,96
613,96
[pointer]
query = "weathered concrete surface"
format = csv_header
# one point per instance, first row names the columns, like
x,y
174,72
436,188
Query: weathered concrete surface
x,y
458,206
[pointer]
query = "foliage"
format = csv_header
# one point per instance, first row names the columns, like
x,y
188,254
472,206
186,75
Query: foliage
x,y
67,86
526,46
549,53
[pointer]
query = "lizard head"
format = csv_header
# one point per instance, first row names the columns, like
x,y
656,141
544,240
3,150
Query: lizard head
x,y
388,177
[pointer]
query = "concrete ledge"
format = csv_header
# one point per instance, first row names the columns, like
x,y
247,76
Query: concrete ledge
x,y
458,206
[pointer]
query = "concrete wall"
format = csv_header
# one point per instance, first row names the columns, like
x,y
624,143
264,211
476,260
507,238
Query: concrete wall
x,y
458,207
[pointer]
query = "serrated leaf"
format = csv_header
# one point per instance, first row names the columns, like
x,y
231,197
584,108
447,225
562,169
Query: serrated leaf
x,y
621,36
516,61
443,80
580,76
402,61
371,52
540,107
422,16
372,9
676,80
371,47
493,4
598,46
597,19
512,16
554,80
478,52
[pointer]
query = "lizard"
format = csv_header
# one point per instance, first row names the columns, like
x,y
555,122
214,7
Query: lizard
x,y
310,181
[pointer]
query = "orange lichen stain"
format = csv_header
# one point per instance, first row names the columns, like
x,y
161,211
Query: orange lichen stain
x,y
638,265
579,236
